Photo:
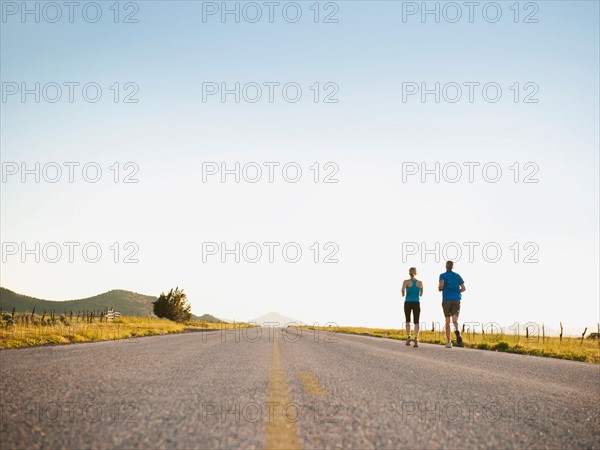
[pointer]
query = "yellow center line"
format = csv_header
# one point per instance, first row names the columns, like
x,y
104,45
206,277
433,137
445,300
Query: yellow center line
x,y
311,385
280,433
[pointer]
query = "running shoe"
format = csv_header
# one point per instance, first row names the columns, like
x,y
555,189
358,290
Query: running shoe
x,y
448,344
416,343
459,340
408,342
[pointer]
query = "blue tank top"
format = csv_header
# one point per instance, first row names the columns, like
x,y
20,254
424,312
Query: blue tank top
x,y
412,292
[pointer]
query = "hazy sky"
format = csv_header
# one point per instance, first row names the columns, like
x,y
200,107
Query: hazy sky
x,y
529,106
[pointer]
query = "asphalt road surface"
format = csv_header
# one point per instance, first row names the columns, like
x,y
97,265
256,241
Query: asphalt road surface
x,y
278,390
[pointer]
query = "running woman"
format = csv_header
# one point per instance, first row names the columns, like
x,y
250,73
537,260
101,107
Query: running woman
x,y
451,286
413,289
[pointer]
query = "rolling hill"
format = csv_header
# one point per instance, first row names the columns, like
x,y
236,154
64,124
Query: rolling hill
x,y
126,302
207,318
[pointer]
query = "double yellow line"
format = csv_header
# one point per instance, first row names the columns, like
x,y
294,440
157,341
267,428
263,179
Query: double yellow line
x,y
282,434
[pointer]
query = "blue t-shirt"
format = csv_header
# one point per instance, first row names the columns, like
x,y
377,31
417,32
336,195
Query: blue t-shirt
x,y
452,282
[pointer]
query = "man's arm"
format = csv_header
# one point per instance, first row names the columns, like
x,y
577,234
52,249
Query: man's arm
x,y
463,288
441,286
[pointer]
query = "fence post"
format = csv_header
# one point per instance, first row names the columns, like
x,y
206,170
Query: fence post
x,y
561,332
543,334
582,336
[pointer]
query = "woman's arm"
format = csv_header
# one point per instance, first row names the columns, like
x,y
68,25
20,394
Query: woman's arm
x,y
403,284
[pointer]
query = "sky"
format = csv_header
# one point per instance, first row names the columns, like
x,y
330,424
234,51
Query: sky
x,y
417,137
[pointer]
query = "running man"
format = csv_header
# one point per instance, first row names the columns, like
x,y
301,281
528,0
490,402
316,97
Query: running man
x,y
451,285
414,290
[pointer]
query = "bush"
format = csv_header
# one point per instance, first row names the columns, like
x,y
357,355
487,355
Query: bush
x,y
6,320
501,346
173,306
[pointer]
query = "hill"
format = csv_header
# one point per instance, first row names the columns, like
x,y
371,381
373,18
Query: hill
x,y
276,320
207,318
126,302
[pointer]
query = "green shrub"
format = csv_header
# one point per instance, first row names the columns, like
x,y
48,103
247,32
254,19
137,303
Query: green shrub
x,y
501,346
173,306
6,320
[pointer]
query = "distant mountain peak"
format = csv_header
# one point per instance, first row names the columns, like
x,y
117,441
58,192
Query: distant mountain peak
x,y
274,317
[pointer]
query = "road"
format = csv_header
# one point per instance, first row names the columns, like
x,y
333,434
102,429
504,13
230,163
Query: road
x,y
265,388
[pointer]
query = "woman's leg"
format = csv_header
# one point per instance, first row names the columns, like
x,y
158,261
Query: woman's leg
x,y
407,319
416,316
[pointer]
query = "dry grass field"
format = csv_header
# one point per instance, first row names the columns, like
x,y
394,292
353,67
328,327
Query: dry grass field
x,y
27,330
577,349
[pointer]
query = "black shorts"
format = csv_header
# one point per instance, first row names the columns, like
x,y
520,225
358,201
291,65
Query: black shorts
x,y
451,308
415,307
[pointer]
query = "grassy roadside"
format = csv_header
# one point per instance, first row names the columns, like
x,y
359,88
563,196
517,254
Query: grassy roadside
x,y
19,334
570,348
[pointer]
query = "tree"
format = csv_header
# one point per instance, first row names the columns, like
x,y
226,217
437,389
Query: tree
x,y
173,306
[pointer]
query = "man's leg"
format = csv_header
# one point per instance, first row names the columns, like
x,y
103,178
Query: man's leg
x,y
459,340
447,328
